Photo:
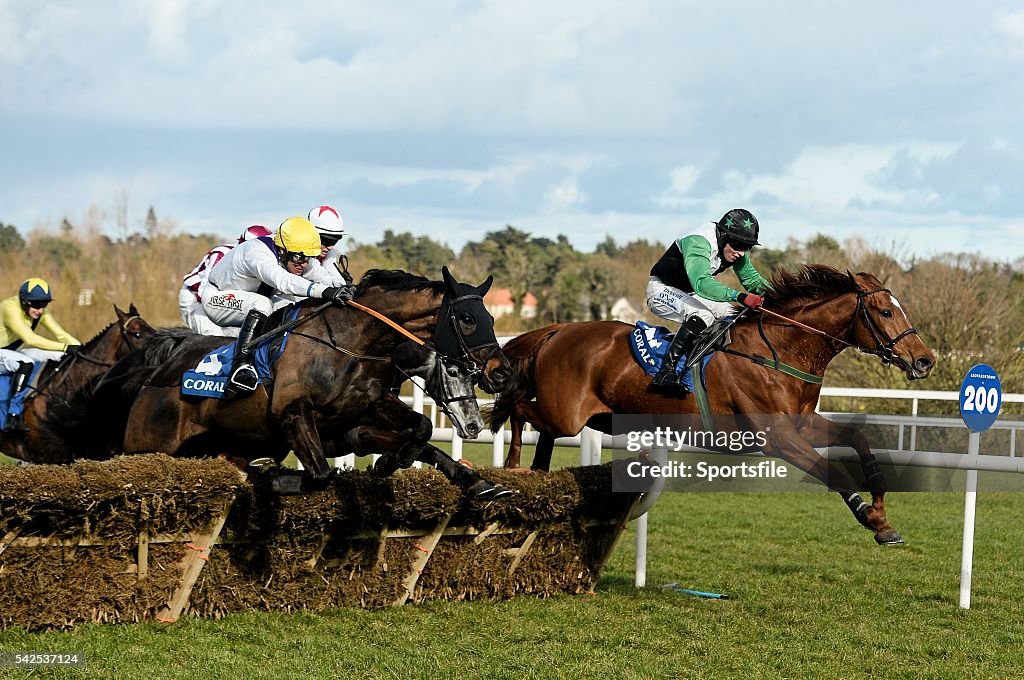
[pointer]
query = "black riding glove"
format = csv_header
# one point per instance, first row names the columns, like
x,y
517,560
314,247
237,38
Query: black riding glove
x,y
73,349
340,294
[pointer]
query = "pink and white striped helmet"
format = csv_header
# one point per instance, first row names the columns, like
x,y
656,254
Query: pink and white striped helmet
x,y
255,231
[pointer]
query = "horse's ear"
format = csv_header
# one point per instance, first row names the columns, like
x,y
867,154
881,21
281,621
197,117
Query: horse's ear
x,y
853,279
486,285
121,316
132,310
448,278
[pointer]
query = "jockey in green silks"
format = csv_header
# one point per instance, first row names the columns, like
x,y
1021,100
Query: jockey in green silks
x,y
683,287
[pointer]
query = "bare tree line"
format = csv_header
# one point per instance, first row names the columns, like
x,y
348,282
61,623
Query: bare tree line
x,y
966,307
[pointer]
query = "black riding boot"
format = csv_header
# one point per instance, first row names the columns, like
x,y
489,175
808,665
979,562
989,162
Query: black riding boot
x,y
667,380
18,381
244,378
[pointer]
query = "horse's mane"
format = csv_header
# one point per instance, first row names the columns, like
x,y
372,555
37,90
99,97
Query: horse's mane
x,y
98,335
811,282
161,345
397,280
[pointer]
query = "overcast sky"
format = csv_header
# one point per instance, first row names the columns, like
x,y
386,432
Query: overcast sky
x,y
900,122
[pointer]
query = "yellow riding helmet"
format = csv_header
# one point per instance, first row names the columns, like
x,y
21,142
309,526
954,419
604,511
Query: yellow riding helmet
x,y
298,235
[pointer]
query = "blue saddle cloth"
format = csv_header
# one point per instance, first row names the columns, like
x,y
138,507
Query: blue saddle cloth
x,y
14,406
211,375
650,344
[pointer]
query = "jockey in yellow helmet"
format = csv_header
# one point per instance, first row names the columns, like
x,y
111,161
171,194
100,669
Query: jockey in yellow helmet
x,y
20,344
237,291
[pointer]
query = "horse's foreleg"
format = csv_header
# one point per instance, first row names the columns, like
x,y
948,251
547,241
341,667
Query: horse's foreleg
x,y
785,442
300,430
462,476
821,433
391,429
542,453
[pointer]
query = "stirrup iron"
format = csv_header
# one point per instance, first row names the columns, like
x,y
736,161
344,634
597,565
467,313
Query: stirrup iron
x,y
245,378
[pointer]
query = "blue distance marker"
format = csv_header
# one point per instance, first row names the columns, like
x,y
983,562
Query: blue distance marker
x,y
981,396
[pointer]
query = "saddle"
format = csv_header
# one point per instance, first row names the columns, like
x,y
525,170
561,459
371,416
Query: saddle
x,y
715,337
16,404
210,376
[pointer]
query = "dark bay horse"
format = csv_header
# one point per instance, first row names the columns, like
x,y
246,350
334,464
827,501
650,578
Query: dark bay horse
x,y
332,388
572,375
58,381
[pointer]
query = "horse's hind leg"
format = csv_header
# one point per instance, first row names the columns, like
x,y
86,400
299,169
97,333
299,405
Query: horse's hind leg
x,y
820,433
515,446
545,440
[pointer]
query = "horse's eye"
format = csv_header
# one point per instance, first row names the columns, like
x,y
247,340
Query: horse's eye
x,y
453,371
887,313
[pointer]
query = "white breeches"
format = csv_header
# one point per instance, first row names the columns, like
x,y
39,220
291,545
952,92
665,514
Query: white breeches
x,y
9,360
230,307
194,316
675,305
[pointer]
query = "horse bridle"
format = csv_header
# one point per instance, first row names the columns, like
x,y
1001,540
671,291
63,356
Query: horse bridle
x,y
129,335
466,361
885,347
886,351
440,368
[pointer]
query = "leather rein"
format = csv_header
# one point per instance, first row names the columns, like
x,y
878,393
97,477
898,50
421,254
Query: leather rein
x,y
68,360
884,346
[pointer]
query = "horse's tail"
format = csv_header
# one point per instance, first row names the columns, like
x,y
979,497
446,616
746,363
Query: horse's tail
x,y
521,352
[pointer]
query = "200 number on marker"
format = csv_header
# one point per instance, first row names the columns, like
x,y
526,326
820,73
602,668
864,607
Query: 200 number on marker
x,y
981,399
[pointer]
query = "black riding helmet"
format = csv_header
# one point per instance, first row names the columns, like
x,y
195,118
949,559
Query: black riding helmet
x,y
738,226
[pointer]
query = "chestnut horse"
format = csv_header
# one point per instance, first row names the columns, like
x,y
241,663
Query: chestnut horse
x,y
58,381
571,375
332,387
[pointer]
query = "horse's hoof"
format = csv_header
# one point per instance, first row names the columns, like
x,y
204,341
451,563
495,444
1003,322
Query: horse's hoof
x,y
482,490
314,484
287,485
384,467
890,537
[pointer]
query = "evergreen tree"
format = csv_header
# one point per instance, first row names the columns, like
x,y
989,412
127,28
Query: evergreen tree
x,y
151,223
10,240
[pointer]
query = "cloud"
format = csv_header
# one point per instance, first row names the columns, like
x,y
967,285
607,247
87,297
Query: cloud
x,y
563,196
1012,24
167,23
836,177
650,115
682,180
